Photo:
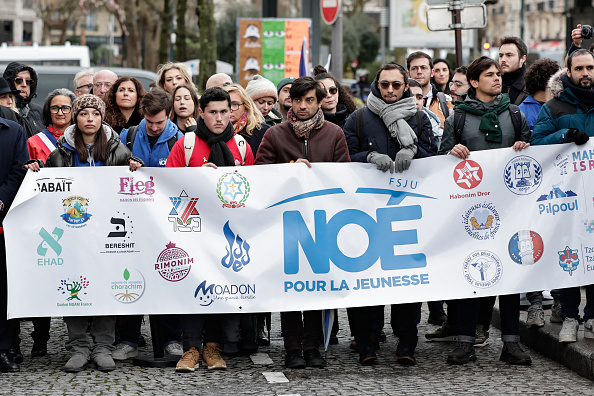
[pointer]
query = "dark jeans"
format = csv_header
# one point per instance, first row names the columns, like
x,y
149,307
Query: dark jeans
x,y
405,318
129,328
468,317
571,299
5,326
301,329
193,325
239,328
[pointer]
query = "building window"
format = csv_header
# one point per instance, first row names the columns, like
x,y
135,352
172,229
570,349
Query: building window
x,y
5,31
91,21
27,32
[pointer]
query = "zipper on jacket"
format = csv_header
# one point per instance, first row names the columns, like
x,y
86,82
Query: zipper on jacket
x,y
306,149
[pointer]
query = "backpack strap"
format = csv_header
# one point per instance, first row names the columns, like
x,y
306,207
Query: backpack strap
x,y
189,142
516,118
131,136
443,103
171,142
459,120
242,146
523,95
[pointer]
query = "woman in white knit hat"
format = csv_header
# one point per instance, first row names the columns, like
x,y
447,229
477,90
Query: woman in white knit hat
x,y
263,93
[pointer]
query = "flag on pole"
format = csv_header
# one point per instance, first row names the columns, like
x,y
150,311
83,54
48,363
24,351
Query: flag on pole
x,y
327,65
327,323
303,61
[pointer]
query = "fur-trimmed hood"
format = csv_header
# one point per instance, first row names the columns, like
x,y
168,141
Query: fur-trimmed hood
x,y
556,84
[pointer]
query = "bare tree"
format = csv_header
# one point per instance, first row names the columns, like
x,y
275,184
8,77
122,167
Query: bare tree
x,y
207,40
56,13
180,43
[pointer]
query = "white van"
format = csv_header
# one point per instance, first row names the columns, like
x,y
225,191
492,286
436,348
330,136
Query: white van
x,y
53,55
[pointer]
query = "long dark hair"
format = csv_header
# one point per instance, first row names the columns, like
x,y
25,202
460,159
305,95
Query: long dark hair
x,y
99,146
344,97
113,114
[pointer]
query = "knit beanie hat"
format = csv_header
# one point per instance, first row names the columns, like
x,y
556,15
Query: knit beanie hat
x,y
260,87
85,101
285,81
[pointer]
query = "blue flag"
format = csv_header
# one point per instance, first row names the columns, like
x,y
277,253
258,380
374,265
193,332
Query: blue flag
x,y
303,60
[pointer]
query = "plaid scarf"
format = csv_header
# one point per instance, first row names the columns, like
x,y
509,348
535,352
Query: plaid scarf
x,y
303,128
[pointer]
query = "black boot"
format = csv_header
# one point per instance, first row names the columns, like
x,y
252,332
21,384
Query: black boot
x,y
462,354
7,365
14,353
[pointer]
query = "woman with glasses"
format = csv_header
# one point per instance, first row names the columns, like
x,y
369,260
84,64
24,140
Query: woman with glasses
x,y
245,117
338,103
122,103
56,118
170,75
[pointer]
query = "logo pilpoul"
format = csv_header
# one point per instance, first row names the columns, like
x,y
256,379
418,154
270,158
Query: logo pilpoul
x,y
482,269
50,241
525,247
522,175
173,263
130,288
233,189
569,260
183,215
481,221
74,288
75,211
239,256
468,174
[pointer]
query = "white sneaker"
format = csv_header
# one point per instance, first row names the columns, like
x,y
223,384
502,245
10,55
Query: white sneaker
x,y
174,348
124,351
589,328
569,330
535,316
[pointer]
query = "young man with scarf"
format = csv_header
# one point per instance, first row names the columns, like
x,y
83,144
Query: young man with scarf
x,y
305,137
214,146
487,125
569,117
389,134
512,56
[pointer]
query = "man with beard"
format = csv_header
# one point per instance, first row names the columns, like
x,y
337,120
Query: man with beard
x,y
566,118
512,56
284,98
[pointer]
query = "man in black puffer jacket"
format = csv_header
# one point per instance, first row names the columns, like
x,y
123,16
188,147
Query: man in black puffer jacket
x,y
24,78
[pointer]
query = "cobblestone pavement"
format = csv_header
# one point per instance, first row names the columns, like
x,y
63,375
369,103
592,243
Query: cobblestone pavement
x,y
342,376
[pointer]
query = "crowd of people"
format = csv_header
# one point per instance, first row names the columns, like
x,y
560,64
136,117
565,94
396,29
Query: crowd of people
x,y
422,109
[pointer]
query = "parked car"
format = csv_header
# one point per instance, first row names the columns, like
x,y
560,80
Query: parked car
x,y
52,77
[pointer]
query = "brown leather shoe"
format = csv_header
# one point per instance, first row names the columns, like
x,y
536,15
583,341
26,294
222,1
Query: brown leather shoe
x,y
211,354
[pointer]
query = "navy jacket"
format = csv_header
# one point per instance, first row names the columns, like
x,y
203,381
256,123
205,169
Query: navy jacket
x,y
376,137
13,154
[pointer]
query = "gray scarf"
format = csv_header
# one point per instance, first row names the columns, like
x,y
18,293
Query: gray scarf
x,y
394,115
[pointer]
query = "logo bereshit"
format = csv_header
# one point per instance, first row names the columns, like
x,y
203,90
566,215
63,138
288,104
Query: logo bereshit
x,y
74,288
522,175
173,263
76,211
481,221
233,189
468,174
130,289
482,269
50,241
569,260
184,215
525,247
239,256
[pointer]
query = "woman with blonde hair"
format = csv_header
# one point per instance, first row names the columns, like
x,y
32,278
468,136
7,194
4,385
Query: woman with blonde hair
x,y
245,116
170,75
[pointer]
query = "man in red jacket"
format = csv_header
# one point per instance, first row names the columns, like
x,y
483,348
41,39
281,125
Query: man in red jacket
x,y
305,137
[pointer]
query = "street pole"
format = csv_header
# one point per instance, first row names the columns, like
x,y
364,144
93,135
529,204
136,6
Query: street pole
x,y
336,68
384,23
456,8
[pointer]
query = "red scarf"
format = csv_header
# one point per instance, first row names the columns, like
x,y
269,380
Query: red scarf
x,y
55,132
241,123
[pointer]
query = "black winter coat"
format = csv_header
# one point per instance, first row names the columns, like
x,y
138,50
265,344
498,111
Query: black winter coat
x,y
13,154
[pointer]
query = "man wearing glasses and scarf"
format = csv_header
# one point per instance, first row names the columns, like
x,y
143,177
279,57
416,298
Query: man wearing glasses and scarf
x,y
388,133
24,78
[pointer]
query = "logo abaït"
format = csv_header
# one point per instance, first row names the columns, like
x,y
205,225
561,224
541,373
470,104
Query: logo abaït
x,y
233,189
482,269
525,247
522,175
173,263
569,260
76,211
74,288
468,174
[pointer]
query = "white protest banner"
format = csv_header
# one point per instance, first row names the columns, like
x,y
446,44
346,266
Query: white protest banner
x,y
97,241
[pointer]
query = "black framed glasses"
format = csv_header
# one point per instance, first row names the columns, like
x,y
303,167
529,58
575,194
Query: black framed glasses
x,y
332,90
87,86
395,84
19,81
56,109
235,106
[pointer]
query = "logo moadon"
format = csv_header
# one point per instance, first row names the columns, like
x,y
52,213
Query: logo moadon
x,y
481,221
525,247
522,175
482,269
569,260
468,174
73,289
130,288
183,215
233,189
50,241
173,263
76,212
207,294
238,251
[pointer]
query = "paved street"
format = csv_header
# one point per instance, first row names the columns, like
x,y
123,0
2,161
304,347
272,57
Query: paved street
x,y
342,376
